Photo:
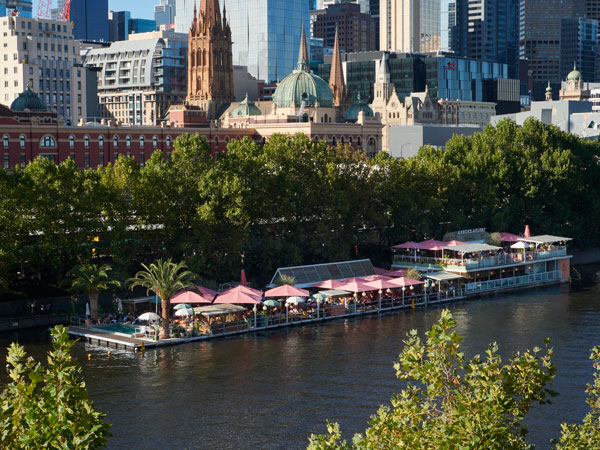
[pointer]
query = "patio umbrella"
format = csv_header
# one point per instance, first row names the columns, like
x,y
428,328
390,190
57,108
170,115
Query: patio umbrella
x,y
286,291
239,295
243,278
403,281
328,284
198,295
271,303
520,245
294,300
149,316
182,306
527,233
87,309
375,278
319,297
184,312
356,286
382,284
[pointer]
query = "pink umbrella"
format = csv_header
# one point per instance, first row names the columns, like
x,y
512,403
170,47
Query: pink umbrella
x,y
356,286
382,284
453,243
375,278
237,296
409,244
329,284
402,281
397,273
527,233
204,295
508,237
432,244
286,291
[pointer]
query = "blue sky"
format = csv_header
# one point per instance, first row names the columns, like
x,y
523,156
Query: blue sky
x,y
143,9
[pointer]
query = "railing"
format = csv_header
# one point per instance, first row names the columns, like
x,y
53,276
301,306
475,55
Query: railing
x,y
505,283
477,263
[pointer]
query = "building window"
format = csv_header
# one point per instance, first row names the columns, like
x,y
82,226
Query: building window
x,y
72,141
48,141
128,141
142,140
5,141
23,160
87,160
6,161
333,141
168,141
101,141
22,141
115,143
72,156
86,141
154,141
142,159
101,159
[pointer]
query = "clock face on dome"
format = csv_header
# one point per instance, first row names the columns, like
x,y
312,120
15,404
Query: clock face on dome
x,y
393,105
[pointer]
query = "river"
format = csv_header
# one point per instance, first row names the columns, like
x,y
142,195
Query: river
x,y
272,390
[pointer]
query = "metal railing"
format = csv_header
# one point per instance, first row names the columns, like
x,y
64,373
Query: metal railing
x,y
505,283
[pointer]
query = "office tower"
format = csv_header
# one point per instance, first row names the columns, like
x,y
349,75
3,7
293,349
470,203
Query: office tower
x,y
184,14
539,39
579,47
141,77
25,7
164,14
47,59
482,29
141,25
409,25
372,7
356,29
118,25
90,19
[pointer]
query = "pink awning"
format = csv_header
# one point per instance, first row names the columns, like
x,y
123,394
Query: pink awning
x,y
328,284
356,286
204,295
432,244
402,281
375,278
380,271
453,243
383,284
409,244
396,273
239,295
508,237
527,232
286,291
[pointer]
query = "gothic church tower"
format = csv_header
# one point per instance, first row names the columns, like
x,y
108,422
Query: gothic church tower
x,y
210,61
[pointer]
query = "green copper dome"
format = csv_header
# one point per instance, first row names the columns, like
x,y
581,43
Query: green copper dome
x,y
575,74
28,100
354,110
246,108
549,89
301,85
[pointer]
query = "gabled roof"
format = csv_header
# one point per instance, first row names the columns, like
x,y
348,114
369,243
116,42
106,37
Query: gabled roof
x,y
545,239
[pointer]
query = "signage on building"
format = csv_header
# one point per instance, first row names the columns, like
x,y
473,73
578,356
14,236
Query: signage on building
x,y
450,66
470,231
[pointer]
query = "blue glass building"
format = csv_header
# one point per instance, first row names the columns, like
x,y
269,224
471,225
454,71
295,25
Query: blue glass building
x,y
25,7
90,18
141,25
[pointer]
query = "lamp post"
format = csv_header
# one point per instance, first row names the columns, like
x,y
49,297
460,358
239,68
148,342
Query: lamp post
x,y
318,304
403,291
413,297
254,309
287,312
380,292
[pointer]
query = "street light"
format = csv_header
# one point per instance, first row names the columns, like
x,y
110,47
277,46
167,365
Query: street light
x,y
254,309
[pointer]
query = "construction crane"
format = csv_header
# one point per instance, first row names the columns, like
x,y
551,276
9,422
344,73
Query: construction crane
x,y
44,9
65,14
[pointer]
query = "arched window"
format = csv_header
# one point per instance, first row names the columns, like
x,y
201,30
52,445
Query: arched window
x,y
305,118
358,141
5,141
350,139
342,140
71,141
142,140
22,140
325,116
116,143
101,141
168,141
333,141
371,147
128,141
48,141
154,141
227,139
86,141
217,142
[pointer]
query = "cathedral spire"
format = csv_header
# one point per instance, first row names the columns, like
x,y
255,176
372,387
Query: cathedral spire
x,y
303,59
336,76
210,11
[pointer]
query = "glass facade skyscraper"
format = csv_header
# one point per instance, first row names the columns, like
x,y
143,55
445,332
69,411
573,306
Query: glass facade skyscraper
x,y
90,18
184,14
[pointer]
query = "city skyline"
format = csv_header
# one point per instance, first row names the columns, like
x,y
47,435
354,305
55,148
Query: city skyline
x,y
143,9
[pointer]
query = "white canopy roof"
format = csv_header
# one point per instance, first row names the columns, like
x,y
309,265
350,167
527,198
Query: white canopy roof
x,y
442,276
334,293
218,310
473,248
545,239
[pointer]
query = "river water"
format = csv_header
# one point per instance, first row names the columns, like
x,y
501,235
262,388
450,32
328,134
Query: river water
x,y
272,390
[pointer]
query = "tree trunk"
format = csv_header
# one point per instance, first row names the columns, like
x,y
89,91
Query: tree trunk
x,y
166,307
94,305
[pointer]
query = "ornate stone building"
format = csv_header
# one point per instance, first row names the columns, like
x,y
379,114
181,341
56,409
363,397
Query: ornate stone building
x,y
210,61
574,88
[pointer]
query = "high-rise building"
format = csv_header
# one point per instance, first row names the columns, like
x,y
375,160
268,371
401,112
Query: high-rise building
x,y
409,25
141,26
44,56
539,39
141,77
482,29
90,19
25,7
372,7
164,14
579,47
184,15
355,29
118,25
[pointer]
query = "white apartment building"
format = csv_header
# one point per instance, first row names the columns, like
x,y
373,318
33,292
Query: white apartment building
x,y
140,78
44,55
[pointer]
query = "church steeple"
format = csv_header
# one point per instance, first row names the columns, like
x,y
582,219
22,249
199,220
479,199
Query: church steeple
x,y
336,76
210,11
303,58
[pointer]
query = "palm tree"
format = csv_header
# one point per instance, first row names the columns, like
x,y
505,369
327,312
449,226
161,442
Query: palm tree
x,y
93,279
164,278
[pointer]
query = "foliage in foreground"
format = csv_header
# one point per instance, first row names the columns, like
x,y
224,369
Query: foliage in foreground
x,y
450,402
48,407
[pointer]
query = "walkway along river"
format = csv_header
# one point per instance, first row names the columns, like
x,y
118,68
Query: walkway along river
x,y
270,390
